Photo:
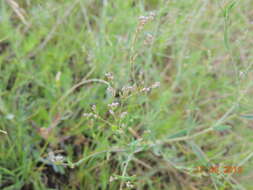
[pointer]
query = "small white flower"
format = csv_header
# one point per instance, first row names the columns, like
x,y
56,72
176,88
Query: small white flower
x,y
112,179
129,185
59,158
127,89
111,112
113,105
156,85
149,39
241,74
152,15
87,114
95,115
123,114
146,89
143,19
55,158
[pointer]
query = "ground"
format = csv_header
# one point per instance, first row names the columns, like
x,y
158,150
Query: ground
x,y
126,94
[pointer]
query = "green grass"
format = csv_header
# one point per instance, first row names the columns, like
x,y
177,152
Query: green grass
x,y
53,63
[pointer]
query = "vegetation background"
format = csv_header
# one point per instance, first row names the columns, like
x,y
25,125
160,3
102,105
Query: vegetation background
x,y
126,94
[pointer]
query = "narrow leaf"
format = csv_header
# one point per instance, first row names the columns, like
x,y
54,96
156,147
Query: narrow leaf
x,y
198,152
179,134
222,127
250,117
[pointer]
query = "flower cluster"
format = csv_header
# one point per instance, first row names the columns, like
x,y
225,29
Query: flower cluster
x,y
111,91
123,114
109,76
145,19
112,178
147,89
55,158
129,184
149,39
94,115
126,90
113,105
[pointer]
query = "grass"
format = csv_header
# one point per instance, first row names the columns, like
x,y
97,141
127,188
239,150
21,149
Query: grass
x,y
64,66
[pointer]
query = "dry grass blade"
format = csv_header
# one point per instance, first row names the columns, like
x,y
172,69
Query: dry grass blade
x,y
19,11
4,132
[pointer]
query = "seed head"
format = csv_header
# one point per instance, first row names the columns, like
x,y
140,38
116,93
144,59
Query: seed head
x,y
149,39
109,76
152,15
143,20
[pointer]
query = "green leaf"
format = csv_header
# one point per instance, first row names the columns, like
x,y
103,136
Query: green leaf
x,y
179,134
6,171
198,152
228,8
222,127
227,11
250,117
127,178
114,128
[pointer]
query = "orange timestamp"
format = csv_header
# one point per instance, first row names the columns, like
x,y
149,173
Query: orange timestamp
x,y
219,169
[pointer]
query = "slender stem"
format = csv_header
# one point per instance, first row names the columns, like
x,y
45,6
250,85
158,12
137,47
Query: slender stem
x,y
78,85
96,154
124,171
